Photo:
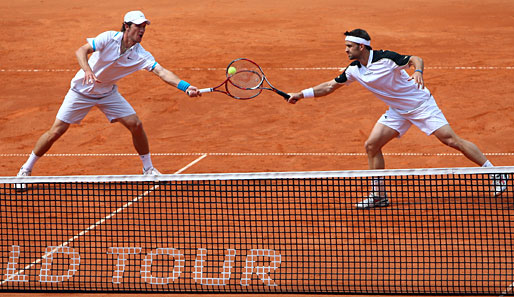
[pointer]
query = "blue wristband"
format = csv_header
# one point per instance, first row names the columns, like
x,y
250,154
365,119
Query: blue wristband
x,y
183,85
419,70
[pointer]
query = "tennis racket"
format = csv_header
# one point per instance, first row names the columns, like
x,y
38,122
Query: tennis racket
x,y
243,64
247,85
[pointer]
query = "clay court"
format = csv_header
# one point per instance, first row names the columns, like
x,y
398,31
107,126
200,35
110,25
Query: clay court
x,y
466,46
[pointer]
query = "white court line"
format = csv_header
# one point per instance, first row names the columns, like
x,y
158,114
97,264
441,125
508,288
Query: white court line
x,y
339,68
92,227
252,154
190,164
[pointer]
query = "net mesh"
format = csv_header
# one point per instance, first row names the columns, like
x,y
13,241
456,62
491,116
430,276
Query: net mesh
x,y
443,233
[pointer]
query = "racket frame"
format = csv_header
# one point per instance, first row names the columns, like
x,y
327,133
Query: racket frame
x,y
227,92
264,78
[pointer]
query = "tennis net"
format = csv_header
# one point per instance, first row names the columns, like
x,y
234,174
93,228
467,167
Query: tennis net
x,y
296,232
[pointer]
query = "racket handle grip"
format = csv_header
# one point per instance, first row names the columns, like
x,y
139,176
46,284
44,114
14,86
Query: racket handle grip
x,y
285,95
206,90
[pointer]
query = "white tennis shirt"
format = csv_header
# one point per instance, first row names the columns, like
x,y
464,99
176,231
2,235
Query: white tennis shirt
x,y
385,76
109,65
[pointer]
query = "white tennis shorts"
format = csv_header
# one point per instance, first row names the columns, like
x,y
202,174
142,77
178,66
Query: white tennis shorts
x,y
76,106
427,117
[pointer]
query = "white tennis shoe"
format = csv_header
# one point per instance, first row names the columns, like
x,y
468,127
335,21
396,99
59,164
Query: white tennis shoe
x,y
22,173
151,171
498,183
373,200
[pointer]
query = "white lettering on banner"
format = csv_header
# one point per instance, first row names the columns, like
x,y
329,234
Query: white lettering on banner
x,y
122,253
46,265
12,275
201,255
261,271
146,267
253,257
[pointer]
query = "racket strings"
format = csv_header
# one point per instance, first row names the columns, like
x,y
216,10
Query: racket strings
x,y
241,93
246,79
244,84
248,74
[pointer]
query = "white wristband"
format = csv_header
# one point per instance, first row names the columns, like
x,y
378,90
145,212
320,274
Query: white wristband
x,y
308,93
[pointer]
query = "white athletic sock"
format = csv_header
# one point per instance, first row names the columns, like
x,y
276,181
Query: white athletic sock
x,y
31,161
378,186
147,161
488,164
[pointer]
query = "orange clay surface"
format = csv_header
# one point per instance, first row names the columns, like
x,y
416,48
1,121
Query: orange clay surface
x,y
193,37
466,45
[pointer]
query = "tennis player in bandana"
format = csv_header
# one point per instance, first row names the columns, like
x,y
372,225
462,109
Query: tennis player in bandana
x,y
114,55
410,102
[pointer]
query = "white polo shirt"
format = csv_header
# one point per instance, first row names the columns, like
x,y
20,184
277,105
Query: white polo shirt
x,y
385,76
109,65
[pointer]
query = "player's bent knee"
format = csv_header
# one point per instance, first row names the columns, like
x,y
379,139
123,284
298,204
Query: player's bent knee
x,y
371,148
136,126
453,143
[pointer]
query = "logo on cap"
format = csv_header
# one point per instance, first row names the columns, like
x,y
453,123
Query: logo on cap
x,y
137,17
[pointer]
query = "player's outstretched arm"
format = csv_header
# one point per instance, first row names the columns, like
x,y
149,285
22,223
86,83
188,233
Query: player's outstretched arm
x,y
320,90
172,79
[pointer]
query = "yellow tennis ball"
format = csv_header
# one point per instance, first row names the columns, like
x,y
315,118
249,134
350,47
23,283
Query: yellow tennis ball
x,y
232,70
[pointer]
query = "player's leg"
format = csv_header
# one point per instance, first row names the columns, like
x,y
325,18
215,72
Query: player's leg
x,y
430,119
140,141
389,126
378,138
43,144
117,109
46,140
73,109
447,136
139,138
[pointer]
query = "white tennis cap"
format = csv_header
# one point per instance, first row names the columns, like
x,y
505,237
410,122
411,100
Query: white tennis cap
x,y
137,17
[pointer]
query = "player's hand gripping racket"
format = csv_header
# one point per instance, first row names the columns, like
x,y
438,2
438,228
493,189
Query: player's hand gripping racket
x,y
245,80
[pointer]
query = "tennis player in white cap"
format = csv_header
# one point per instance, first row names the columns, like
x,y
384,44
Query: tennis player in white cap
x,y
383,73
114,55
